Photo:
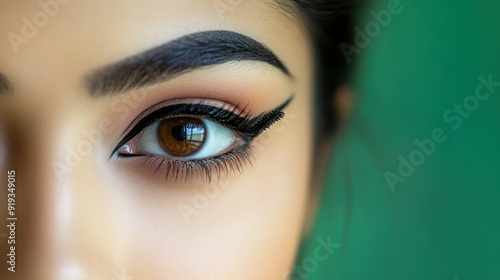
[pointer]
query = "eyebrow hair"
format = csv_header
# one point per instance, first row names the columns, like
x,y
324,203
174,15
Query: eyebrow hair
x,y
178,57
5,86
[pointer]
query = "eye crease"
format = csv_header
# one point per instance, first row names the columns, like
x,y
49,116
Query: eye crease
x,y
195,138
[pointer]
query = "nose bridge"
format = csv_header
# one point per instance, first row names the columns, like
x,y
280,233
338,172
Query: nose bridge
x,y
42,207
36,194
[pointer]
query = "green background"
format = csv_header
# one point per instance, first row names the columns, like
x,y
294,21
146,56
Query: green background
x,y
443,221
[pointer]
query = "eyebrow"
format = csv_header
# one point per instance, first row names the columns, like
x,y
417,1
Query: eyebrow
x,y
178,57
5,86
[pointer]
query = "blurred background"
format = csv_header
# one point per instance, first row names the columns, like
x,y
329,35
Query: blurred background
x,y
413,191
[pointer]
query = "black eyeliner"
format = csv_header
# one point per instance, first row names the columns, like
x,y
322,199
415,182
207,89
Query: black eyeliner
x,y
248,128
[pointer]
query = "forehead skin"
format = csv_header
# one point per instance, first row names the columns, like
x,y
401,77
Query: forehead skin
x,y
91,34
100,220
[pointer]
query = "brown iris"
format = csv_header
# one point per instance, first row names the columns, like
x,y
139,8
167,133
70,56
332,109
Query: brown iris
x,y
181,136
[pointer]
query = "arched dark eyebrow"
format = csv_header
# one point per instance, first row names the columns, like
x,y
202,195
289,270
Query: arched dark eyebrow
x,y
5,86
178,57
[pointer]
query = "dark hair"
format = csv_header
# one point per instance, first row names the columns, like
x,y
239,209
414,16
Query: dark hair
x,y
330,23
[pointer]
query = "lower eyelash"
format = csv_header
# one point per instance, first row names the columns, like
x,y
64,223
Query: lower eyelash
x,y
206,169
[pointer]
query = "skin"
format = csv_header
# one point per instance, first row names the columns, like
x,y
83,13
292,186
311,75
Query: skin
x,y
106,214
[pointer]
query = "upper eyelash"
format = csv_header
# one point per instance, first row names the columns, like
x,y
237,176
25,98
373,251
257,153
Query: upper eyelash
x,y
247,127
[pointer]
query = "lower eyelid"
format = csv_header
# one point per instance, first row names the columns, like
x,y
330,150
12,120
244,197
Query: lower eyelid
x,y
206,170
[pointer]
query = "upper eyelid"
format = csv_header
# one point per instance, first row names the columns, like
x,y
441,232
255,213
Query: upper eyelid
x,y
191,101
240,110
145,114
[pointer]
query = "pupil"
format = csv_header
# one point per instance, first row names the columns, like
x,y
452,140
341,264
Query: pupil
x,y
178,132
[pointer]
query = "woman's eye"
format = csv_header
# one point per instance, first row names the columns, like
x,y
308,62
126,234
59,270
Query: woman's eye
x,y
183,137
196,139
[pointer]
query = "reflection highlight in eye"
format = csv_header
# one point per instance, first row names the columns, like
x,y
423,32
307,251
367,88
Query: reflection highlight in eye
x,y
196,138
